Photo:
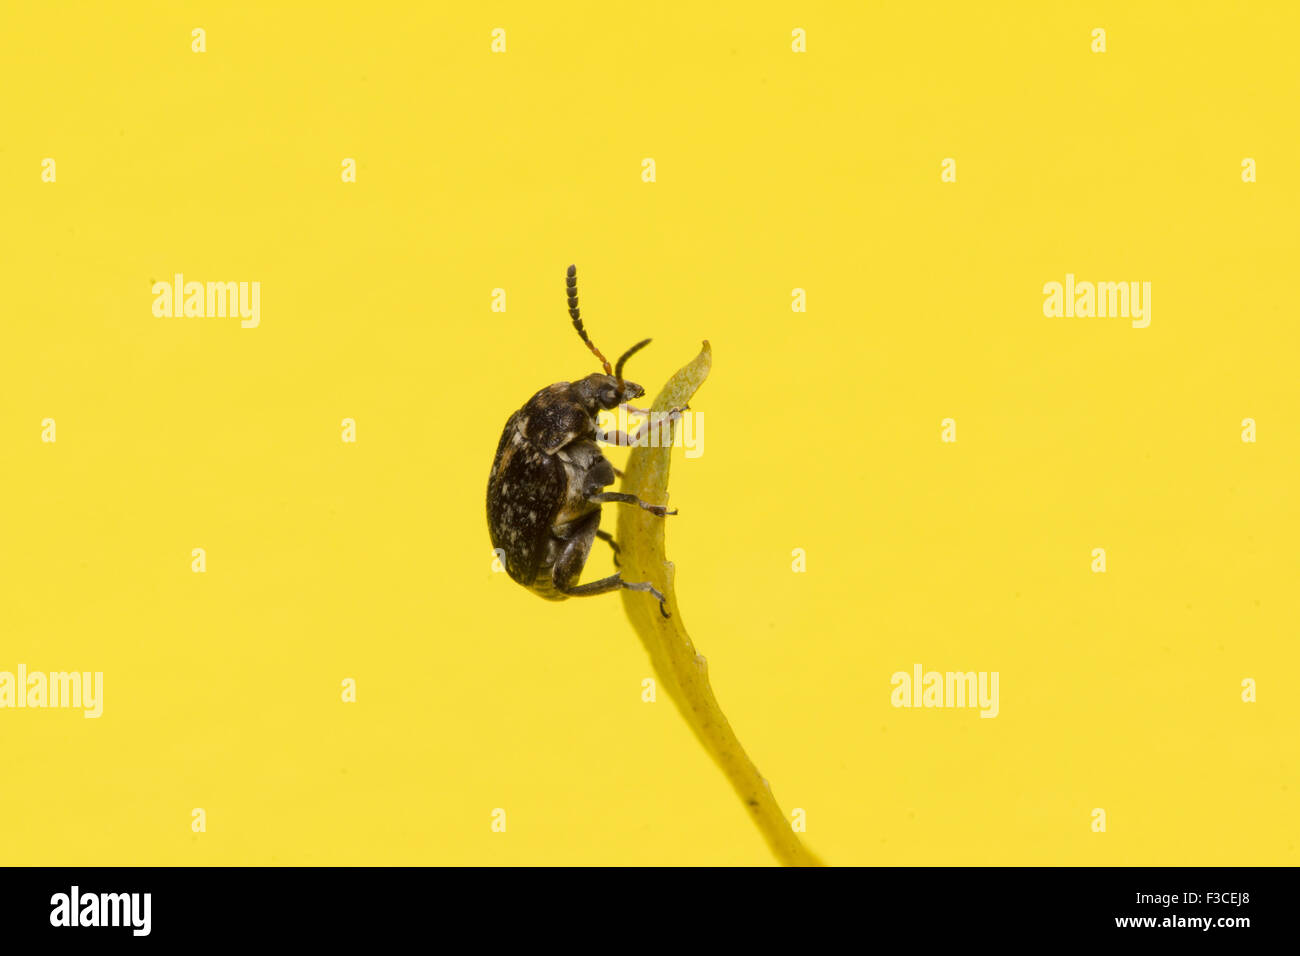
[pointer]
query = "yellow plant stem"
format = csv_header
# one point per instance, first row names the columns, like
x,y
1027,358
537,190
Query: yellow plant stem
x,y
682,673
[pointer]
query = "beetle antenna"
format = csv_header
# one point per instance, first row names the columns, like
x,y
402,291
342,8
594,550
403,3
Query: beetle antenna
x,y
571,286
618,370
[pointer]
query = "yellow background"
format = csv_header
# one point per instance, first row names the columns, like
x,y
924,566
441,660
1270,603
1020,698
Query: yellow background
x,y
822,430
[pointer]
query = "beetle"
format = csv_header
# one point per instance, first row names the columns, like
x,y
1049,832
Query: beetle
x,y
545,492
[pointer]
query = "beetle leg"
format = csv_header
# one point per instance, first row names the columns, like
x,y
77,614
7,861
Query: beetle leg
x,y
624,440
606,536
617,438
621,498
600,474
615,582
633,410
571,560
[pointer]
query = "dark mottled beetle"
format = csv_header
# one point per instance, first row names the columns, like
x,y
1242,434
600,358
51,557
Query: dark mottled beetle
x,y
545,490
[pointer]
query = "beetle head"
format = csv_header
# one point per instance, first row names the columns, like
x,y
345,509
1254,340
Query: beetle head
x,y
598,391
